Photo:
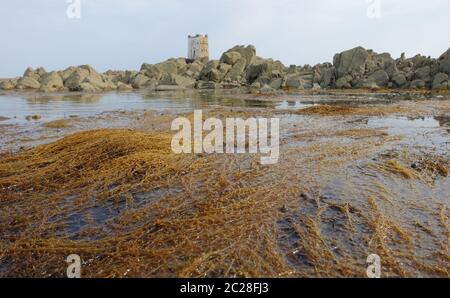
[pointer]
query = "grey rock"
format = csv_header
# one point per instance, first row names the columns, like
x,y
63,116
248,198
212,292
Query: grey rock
x,y
194,69
34,73
423,73
177,80
399,80
8,84
326,77
444,62
248,53
28,83
351,61
230,58
295,82
139,81
344,82
84,74
236,73
88,87
378,79
157,71
51,81
124,87
440,81
66,73
224,68
276,83
262,67
210,71
417,84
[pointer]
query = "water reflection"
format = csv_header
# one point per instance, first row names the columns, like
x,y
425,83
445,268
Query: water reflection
x,y
52,107
420,131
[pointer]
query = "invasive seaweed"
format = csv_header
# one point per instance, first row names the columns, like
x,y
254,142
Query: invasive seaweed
x,y
342,110
131,208
60,123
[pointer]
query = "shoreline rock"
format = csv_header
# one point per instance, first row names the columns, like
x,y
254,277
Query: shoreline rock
x,y
357,68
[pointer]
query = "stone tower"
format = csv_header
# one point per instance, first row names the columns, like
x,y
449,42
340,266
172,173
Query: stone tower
x,y
198,47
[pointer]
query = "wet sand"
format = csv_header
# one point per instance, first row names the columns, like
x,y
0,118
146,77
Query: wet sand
x,y
350,182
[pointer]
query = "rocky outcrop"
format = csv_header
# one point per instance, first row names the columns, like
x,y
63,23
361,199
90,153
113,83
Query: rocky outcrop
x,y
86,78
361,68
240,66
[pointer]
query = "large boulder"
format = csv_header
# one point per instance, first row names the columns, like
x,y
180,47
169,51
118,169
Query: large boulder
x,y
444,62
34,73
140,80
124,87
51,81
377,79
76,77
236,73
230,57
344,82
399,80
248,53
365,67
88,87
423,73
351,62
323,75
440,81
294,81
157,71
93,76
177,80
8,84
418,84
194,69
276,83
66,73
27,82
84,74
224,68
210,72
263,67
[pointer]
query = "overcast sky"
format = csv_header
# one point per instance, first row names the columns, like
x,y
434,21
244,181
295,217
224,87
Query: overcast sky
x,y
122,34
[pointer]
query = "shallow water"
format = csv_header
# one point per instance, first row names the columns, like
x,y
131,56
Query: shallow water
x,y
351,203
17,107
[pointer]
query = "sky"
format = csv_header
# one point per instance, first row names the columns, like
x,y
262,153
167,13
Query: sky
x,y
123,34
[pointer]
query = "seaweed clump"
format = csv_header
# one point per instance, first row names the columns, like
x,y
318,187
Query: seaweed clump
x,y
343,110
130,207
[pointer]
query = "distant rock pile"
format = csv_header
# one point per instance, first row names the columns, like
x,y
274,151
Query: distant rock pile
x,y
239,66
